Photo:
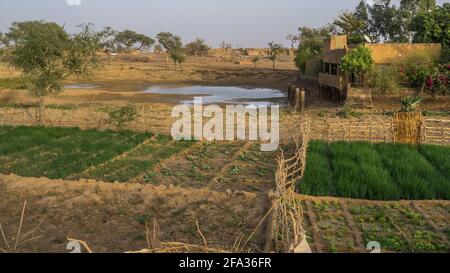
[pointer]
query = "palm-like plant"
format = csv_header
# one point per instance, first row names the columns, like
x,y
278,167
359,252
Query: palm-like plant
x,y
410,104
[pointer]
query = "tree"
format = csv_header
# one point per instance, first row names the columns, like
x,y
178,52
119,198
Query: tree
x,y
362,14
129,39
358,61
311,44
178,57
352,26
293,39
198,48
275,50
433,27
387,22
107,39
47,55
255,60
169,42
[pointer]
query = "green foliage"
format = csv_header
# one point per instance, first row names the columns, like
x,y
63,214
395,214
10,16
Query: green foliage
x,y
431,26
384,80
177,56
376,171
14,83
410,104
311,44
122,116
60,152
348,112
198,47
358,61
47,54
275,50
169,41
255,60
349,24
128,39
424,73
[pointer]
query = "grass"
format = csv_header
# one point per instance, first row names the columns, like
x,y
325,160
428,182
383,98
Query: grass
x,y
377,171
13,83
48,106
60,152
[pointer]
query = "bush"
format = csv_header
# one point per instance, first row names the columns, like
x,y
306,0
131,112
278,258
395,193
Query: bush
x,y
384,80
121,116
425,74
358,61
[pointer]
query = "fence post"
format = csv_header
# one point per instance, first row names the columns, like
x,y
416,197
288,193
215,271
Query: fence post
x,y
290,93
300,95
302,98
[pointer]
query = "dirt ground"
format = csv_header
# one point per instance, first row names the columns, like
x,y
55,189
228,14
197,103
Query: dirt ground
x,y
120,80
112,217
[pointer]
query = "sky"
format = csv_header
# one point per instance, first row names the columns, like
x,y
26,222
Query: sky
x,y
244,23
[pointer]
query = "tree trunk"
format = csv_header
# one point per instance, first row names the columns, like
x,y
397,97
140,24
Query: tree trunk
x,y
273,65
41,111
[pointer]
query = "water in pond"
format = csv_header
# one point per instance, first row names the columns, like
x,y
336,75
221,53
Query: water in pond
x,y
81,86
221,94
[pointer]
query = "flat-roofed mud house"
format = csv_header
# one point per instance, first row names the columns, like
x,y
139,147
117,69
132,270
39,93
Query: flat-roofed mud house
x,y
337,86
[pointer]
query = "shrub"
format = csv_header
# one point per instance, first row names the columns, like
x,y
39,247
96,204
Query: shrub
x,y
358,61
384,80
121,116
424,73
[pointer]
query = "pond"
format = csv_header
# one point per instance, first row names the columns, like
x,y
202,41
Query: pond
x,y
81,86
221,94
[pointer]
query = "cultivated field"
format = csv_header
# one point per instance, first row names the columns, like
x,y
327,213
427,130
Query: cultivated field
x,y
377,171
124,189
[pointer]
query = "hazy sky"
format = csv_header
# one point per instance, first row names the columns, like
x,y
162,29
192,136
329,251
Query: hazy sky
x,y
247,23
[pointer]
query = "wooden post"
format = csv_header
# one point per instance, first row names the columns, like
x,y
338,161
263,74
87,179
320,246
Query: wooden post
x,y
297,100
302,100
290,89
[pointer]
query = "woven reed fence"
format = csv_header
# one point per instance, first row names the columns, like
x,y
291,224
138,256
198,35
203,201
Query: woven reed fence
x,y
287,217
435,131
89,117
382,129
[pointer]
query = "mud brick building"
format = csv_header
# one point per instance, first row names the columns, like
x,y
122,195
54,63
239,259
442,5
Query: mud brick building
x,y
337,86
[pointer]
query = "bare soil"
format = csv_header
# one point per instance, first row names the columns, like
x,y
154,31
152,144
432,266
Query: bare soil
x,y
112,217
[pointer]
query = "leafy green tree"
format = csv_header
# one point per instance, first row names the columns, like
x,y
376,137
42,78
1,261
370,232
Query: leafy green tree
x,y
358,61
433,27
311,44
178,57
362,14
255,60
352,26
47,55
198,48
129,39
275,51
169,42
387,23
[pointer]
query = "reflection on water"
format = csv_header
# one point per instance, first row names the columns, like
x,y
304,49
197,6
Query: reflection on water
x,y
221,94
81,86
